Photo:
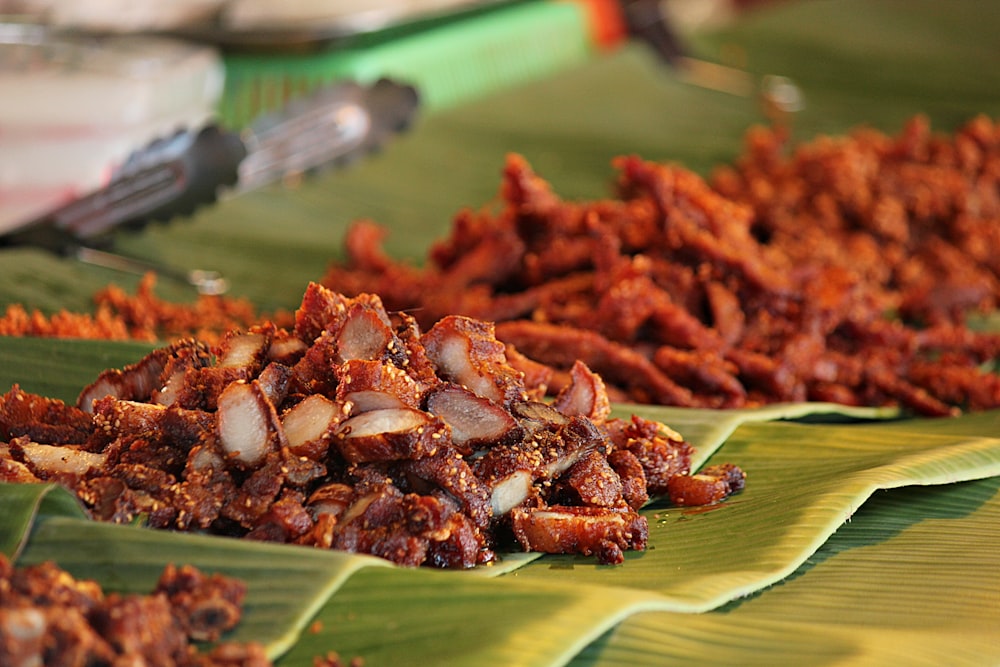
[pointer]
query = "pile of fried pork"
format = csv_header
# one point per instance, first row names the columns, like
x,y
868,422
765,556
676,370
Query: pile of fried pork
x,y
357,430
843,270
48,617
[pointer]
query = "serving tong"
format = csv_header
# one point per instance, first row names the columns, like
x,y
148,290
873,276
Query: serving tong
x,y
174,176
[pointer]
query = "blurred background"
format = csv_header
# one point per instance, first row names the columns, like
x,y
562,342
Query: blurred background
x,y
109,91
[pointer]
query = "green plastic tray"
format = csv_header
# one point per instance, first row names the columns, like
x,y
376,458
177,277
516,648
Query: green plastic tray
x,y
448,63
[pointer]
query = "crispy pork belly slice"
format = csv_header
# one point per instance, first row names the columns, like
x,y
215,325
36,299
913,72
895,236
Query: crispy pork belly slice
x,y
599,531
356,402
466,352
15,472
203,458
510,491
138,381
390,434
241,356
595,481
244,349
248,426
186,358
586,395
359,376
309,424
286,348
366,334
275,380
41,419
451,473
632,476
512,473
475,422
332,499
173,384
577,439
321,309
509,473
46,461
708,486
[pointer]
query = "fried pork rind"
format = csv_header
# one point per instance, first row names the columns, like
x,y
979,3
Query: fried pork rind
x,y
353,431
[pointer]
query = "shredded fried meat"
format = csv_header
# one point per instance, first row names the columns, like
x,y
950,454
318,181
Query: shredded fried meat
x,y
842,272
143,316
354,430
841,269
47,617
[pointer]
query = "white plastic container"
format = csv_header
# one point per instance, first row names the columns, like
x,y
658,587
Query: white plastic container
x,y
73,108
115,15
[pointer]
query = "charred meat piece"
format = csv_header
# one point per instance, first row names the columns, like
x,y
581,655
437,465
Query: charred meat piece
x,y
310,424
706,487
389,435
466,352
585,395
475,422
448,471
138,381
661,452
43,419
370,384
248,425
605,533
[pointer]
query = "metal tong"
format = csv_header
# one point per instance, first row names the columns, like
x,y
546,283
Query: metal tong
x,y
174,176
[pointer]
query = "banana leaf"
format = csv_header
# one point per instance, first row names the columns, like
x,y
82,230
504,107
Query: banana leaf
x,y
814,477
805,481
911,579
24,504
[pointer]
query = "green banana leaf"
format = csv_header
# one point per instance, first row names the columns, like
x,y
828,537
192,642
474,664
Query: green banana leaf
x,y
813,477
24,504
911,579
